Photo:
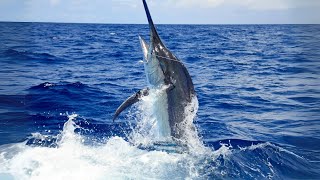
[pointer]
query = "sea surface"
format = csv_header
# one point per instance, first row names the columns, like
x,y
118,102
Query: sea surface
x,y
258,90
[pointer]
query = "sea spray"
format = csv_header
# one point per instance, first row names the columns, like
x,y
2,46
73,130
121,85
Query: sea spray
x,y
117,158
152,119
72,159
120,159
153,124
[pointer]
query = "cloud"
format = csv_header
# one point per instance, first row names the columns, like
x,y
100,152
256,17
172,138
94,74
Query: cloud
x,y
197,3
163,11
183,3
54,2
258,5
130,3
264,5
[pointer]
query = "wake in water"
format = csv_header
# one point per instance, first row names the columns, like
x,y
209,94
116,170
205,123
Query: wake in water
x,y
145,155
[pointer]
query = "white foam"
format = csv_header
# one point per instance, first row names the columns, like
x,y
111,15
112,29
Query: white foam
x,y
117,158
266,144
193,141
72,159
152,119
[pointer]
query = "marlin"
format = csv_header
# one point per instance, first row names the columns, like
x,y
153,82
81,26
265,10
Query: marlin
x,y
164,71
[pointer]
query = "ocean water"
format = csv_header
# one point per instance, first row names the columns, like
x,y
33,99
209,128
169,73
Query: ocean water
x,y
258,89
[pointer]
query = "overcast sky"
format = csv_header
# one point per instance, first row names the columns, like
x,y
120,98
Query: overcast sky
x,y
163,11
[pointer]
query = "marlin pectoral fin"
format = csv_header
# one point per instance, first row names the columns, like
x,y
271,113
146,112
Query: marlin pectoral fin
x,y
130,101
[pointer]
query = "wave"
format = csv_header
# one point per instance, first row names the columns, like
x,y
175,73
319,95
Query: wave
x,y
116,158
67,155
27,55
64,89
47,85
77,152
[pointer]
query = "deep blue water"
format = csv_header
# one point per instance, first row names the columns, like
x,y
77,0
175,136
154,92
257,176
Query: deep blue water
x,y
258,88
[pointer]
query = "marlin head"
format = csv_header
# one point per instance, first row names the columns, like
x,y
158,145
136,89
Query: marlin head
x,y
157,56
154,72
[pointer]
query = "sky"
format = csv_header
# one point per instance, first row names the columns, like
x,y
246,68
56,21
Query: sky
x,y
163,11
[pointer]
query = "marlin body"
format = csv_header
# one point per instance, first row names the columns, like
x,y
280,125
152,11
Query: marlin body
x,y
164,71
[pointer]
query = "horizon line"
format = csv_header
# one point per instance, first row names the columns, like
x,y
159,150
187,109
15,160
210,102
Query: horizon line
x,y
110,23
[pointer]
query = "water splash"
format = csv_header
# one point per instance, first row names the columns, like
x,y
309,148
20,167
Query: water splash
x,y
73,159
117,158
152,121
191,138
153,124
